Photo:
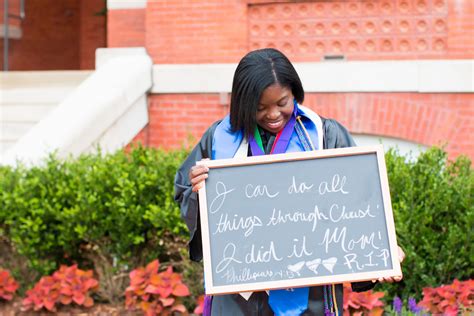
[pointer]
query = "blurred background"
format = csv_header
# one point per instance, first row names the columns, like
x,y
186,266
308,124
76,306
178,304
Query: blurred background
x,y
399,71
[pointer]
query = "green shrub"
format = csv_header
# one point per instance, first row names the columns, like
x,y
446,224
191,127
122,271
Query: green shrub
x,y
107,210
434,218
116,212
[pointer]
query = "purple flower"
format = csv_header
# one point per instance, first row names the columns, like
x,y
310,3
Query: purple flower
x,y
414,308
397,305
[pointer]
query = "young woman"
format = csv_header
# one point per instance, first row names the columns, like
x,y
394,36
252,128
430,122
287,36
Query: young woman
x,y
266,117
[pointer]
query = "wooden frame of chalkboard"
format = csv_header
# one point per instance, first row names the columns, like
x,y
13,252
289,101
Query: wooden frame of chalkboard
x,y
371,254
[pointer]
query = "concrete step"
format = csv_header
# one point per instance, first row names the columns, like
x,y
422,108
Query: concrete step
x,y
5,145
26,97
24,113
108,109
41,79
46,95
11,131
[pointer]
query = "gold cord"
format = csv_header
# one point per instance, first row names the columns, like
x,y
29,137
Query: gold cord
x,y
298,118
335,300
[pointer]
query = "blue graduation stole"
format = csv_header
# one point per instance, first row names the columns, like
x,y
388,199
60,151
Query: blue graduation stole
x,y
286,302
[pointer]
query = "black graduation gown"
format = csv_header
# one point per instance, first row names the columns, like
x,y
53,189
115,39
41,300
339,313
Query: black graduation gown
x,y
335,136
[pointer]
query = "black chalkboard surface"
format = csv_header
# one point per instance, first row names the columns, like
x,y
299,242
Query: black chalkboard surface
x,y
297,219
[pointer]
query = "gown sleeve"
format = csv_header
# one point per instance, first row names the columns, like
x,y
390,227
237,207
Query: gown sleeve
x,y
186,198
337,136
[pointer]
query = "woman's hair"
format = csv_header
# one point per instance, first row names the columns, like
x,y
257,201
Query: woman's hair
x,y
257,71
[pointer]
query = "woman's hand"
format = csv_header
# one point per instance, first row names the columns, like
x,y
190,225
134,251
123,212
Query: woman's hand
x,y
401,257
197,175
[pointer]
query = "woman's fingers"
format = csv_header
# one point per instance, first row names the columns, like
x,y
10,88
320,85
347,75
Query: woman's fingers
x,y
398,278
401,254
197,170
390,279
197,175
198,181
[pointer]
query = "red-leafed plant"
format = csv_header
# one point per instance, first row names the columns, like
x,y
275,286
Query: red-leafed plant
x,y
65,286
454,299
364,303
156,293
8,285
200,305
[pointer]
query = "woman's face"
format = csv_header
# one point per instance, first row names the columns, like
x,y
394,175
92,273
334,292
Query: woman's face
x,y
275,108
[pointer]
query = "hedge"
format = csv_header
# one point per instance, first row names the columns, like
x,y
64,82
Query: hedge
x,y
432,200
111,211
116,212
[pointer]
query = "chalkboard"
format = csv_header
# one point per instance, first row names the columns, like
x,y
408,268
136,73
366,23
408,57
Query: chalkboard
x,y
297,219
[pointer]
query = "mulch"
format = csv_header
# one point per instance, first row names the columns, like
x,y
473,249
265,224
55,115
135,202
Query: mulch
x,y
13,308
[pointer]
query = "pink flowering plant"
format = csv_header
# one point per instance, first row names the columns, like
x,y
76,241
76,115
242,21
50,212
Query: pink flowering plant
x,y
66,286
199,309
363,303
8,285
156,293
450,300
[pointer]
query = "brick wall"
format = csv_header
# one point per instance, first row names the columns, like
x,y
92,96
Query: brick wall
x,y
196,31
58,35
92,32
180,119
428,119
364,30
126,28
215,31
13,8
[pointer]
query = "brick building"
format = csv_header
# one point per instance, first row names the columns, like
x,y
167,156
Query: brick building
x,y
397,69
54,35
